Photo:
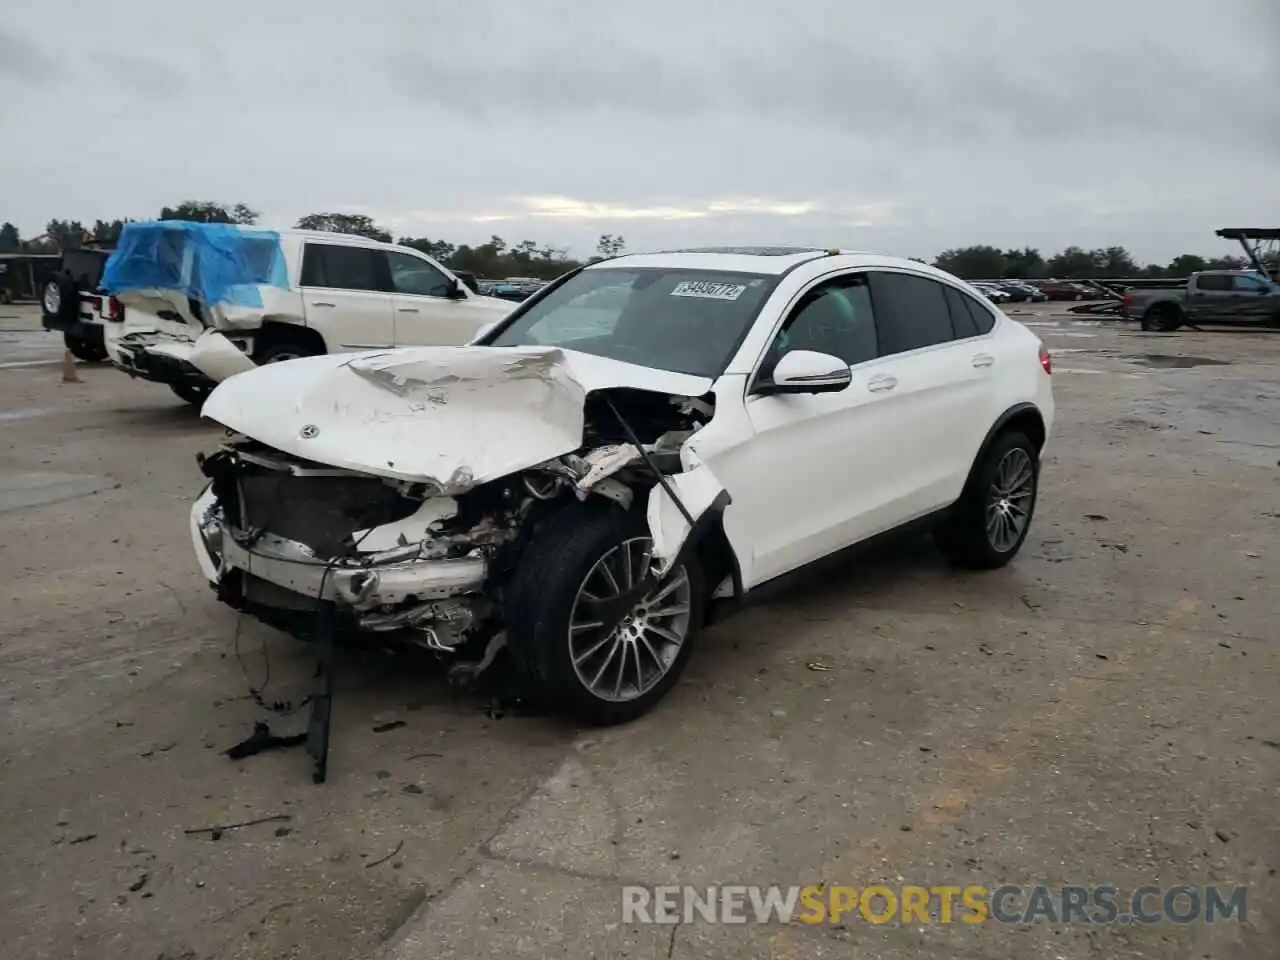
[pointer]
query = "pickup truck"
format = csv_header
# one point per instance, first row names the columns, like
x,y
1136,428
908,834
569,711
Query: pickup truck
x,y
1211,296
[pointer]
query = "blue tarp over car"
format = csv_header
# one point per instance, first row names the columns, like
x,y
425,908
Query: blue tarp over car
x,y
207,262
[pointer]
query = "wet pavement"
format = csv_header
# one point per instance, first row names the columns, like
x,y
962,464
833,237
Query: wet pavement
x,y
1103,711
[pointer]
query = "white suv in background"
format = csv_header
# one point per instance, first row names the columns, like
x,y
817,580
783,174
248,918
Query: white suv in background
x,y
646,435
279,295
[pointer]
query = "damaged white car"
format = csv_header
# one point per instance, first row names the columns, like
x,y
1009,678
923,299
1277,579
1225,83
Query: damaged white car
x,y
645,436
209,300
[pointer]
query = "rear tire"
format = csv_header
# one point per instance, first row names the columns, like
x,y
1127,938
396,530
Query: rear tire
x,y
1162,318
191,393
551,604
84,350
989,523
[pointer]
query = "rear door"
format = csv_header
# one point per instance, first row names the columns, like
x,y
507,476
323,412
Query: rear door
x,y
940,388
425,312
1210,297
344,295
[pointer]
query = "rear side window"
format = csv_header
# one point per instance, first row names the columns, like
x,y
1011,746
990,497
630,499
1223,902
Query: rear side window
x,y
968,316
342,268
1214,282
911,312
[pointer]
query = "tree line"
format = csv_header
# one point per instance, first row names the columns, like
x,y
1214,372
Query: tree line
x,y
494,259
1074,263
529,258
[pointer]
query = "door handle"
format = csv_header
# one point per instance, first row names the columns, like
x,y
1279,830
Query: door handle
x,y
406,310
983,360
882,384
321,303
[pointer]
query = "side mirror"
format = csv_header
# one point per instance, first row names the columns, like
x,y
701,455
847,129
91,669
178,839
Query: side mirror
x,y
805,371
455,290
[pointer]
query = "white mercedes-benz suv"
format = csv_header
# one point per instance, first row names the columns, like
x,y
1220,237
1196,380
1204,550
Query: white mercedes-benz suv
x,y
642,442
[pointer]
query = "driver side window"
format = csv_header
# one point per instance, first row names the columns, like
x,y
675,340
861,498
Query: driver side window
x,y
416,277
835,317
1247,284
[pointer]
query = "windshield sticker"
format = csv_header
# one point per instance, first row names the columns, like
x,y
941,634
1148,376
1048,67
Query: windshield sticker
x,y
706,290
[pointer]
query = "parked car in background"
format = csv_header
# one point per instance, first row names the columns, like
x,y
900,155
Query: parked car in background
x,y
1211,296
211,300
1023,292
74,304
650,436
512,292
992,292
1059,290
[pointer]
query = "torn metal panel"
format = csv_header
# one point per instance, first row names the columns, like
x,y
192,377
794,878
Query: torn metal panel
x,y
698,491
217,357
412,530
605,461
449,417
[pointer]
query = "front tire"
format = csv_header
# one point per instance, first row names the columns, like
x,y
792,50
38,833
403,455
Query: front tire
x,y
572,583
989,523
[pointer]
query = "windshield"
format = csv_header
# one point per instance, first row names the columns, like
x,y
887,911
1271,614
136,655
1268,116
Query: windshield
x,y
685,321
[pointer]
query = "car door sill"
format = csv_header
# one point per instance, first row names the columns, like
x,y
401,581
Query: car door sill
x,y
771,589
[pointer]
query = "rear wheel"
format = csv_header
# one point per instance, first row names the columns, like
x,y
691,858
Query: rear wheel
x,y
191,393
85,350
990,521
1163,317
587,633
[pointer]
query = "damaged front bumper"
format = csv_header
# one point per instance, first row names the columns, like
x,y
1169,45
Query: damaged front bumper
x,y
364,587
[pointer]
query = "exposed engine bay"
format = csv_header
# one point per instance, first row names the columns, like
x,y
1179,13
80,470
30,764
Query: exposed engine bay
x,y
402,559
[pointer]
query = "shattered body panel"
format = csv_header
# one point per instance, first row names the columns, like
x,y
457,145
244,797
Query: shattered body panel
x,y
400,485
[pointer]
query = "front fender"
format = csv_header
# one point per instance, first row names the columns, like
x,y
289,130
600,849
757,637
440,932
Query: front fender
x,y
674,534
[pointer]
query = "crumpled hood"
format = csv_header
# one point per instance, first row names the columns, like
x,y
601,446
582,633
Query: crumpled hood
x,y
453,416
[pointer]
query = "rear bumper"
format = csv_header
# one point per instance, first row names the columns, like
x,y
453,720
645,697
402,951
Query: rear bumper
x,y
205,361
145,363
76,329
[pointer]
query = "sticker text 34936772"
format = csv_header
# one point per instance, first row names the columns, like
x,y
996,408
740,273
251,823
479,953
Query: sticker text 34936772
x,y
708,290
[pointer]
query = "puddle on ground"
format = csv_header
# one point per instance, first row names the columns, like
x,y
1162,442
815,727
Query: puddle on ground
x,y
1165,362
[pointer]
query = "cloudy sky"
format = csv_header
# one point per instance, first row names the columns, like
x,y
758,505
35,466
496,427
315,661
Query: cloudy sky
x,y
900,127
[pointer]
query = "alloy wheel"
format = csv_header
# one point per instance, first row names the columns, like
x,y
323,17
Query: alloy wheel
x,y
625,662
1009,502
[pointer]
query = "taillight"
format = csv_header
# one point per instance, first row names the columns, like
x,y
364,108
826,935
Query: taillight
x,y
1045,360
116,309
1127,300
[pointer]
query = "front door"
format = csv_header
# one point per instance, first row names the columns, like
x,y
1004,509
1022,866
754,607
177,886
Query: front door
x,y
429,309
1257,300
815,472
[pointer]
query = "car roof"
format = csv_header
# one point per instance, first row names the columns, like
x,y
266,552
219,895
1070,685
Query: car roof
x,y
759,260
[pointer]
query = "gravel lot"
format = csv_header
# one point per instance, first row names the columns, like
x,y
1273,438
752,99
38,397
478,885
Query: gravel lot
x,y
1104,711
